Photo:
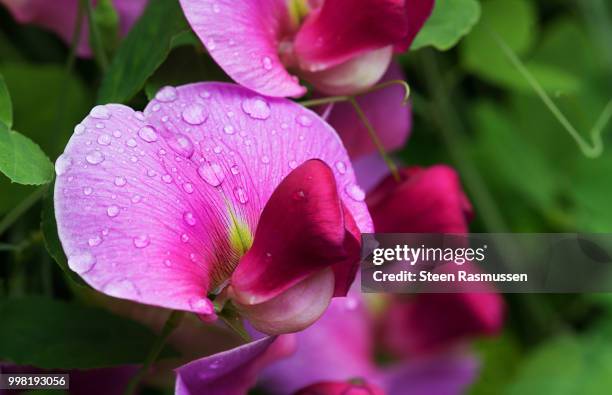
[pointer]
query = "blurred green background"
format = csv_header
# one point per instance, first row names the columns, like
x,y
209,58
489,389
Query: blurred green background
x,y
473,109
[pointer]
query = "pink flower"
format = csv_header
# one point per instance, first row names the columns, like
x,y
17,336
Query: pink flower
x,y
59,16
212,190
430,200
339,46
356,387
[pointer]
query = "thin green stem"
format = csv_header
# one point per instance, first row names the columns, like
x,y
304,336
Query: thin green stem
x,y
173,321
323,101
379,146
95,38
592,149
342,98
21,208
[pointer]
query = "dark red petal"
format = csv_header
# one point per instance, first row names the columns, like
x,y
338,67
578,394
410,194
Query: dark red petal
x,y
356,387
301,231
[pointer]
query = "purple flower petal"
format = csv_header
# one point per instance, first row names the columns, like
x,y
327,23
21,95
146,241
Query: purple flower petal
x,y
243,37
232,372
158,207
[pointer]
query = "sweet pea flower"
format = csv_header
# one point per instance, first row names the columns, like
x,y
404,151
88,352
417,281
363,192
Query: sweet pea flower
x,y
430,200
334,353
338,46
59,16
213,192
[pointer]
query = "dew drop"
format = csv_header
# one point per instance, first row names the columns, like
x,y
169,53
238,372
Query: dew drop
x,y
87,191
139,116
299,195
122,289
120,181
188,187
211,45
112,211
194,114
79,129
94,157
131,143
235,169
117,134
304,120
184,238
166,94
141,241
217,149
167,263
148,134
293,164
265,159
355,192
181,144
100,112
341,167
212,173
241,195
94,241
167,178
62,164
256,108
189,218
99,125
104,139
205,95
151,173
136,199
82,263
266,62
229,129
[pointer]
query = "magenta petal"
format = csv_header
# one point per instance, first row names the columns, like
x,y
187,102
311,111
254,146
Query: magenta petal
x,y
243,38
427,200
231,372
340,30
302,231
385,111
417,12
158,207
357,387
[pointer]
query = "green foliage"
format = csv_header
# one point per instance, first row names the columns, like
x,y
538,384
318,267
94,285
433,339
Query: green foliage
x,y
50,333
143,51
448,23
21,160
106,18
6,107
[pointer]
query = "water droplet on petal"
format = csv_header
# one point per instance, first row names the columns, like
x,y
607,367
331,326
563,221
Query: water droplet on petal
x,y
82,263
112,211
148,134
189,218
166,94
299,195
217,149
212,173
104,139
194,114
256,108
121,289
167,262
229,129
181,144
62,164
87,191
136,199
100,112
184,238
188,187
355,192
167,178
141,241
241,195
117,134
139,115
79,129
151,173
94,157
293,164
235,169
131,143
304,120
266,62
120,181
94,241
205,95
99,125
341,167
265,159
211,45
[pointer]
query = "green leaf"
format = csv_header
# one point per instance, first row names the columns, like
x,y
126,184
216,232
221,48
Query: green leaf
x,y
448,23
106,18
49,333
22,160
48,227
6,107
143,51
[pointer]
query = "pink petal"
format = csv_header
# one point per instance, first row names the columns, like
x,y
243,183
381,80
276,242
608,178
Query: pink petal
x,y
158,208
431,322
426,201
302,231
341,29
232,372
391,119
129,11
418,11
243,37
341,388
296,308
